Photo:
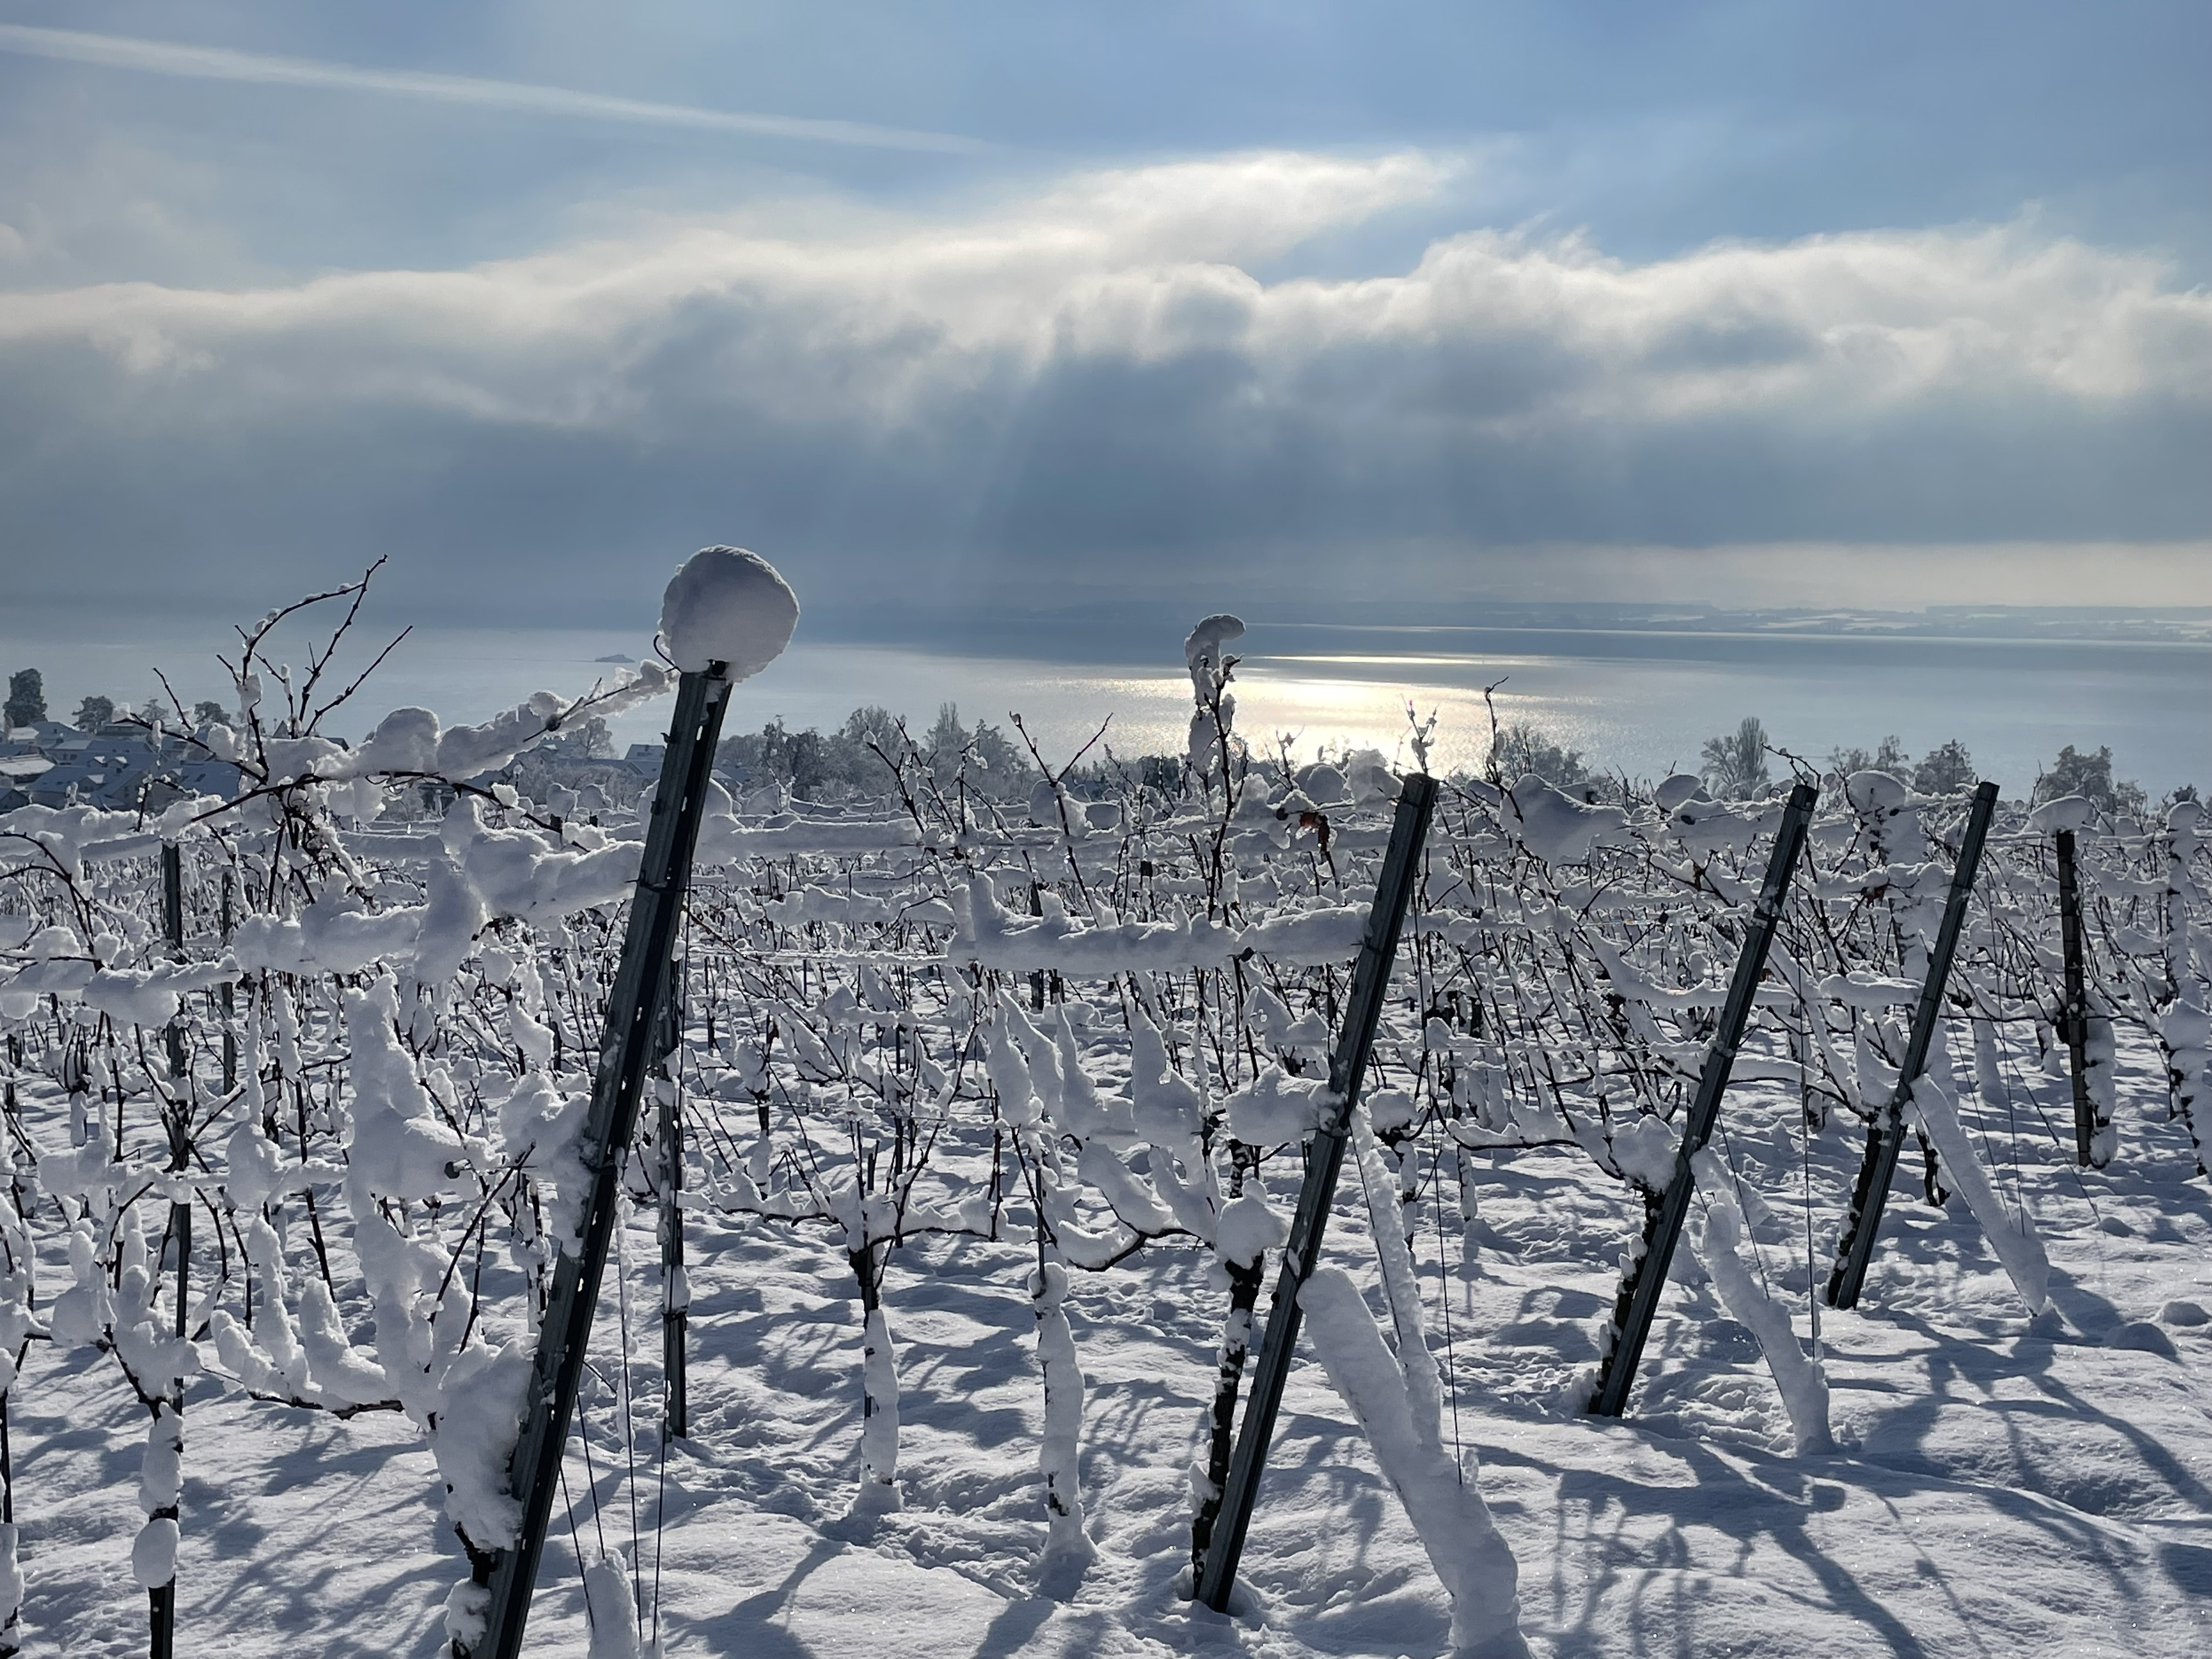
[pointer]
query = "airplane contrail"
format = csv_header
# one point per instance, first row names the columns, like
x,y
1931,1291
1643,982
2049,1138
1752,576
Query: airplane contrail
x,y
220,63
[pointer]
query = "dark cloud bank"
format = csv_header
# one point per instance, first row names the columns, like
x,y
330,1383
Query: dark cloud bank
x,y
1084,410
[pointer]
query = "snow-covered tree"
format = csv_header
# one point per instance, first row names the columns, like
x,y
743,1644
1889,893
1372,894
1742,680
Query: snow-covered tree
x,y
26,697
1735,764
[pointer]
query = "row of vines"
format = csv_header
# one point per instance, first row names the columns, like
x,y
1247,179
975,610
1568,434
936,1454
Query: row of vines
x,y
293,1083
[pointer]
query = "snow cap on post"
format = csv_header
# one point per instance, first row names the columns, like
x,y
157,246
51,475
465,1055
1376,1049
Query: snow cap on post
x,y
1202,650
2071,812
728,606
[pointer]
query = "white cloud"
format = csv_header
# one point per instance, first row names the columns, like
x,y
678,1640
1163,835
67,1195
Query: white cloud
x,y
1151,263
1097,369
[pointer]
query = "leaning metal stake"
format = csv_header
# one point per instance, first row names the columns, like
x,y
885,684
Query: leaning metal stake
x,y
1887,1132
1371,979
1641,1285
625,1051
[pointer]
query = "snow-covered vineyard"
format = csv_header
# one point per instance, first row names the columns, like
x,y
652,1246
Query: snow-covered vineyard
x,y
967,1153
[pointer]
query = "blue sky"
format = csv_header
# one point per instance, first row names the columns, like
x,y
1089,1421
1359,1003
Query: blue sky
x,y
1098,309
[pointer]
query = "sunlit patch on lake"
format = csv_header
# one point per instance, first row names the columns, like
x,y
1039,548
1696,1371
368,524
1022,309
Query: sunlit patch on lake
x,y
1637,702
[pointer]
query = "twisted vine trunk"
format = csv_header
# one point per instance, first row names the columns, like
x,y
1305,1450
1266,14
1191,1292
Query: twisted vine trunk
x,y
1228,1377
879,1398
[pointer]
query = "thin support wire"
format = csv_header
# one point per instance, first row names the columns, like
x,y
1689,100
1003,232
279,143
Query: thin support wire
x,y
659,1522
2028,1091
1376,1239
1444,1300
2007,1064
628,1414
576,1544
1805,1169
591,1473
1736,1180
2012,1120
667,1383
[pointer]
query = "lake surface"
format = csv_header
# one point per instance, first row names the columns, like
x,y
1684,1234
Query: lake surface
x,y
1641,701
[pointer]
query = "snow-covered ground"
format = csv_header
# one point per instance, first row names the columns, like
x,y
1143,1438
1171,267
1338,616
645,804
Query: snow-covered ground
x,y
2004,1486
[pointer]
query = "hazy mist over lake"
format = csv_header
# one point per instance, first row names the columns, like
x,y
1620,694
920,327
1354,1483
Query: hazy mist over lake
x,y
1636,700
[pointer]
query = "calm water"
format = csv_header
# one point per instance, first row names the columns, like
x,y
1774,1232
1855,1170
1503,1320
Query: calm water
x,y
1640,702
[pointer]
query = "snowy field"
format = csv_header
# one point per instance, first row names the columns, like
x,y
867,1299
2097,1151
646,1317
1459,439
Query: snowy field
x,y
2003,1485
980,1122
